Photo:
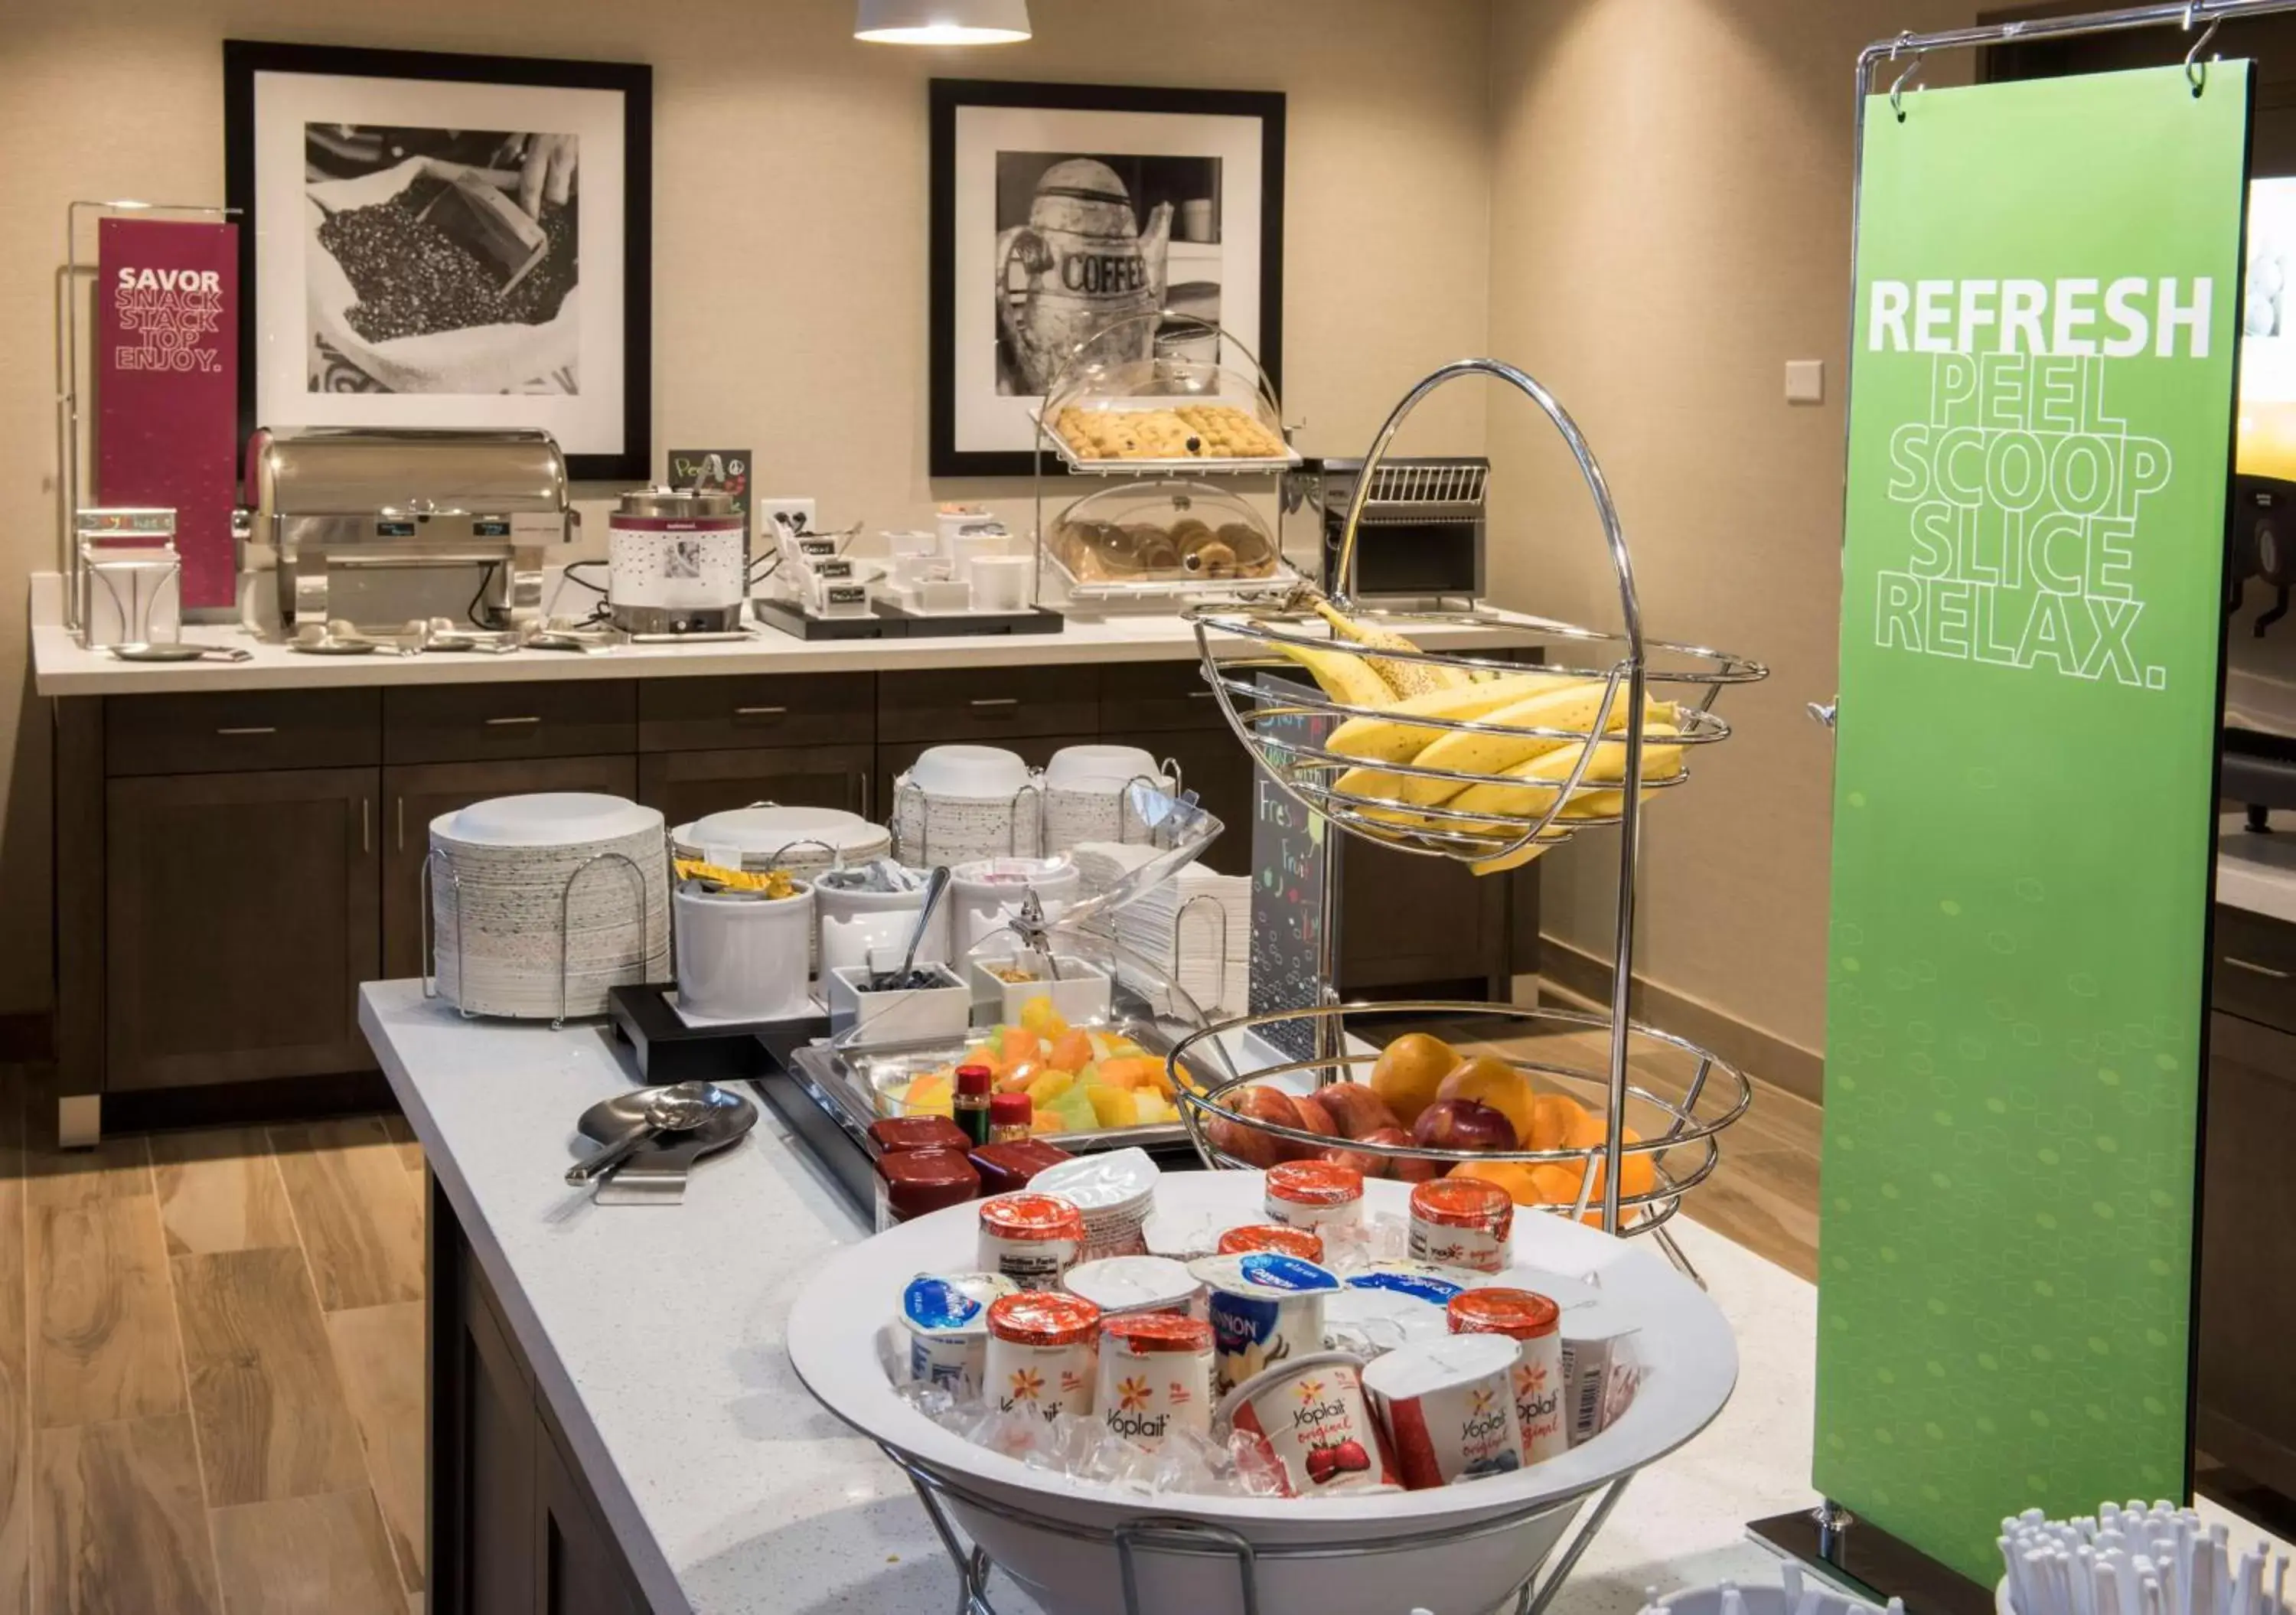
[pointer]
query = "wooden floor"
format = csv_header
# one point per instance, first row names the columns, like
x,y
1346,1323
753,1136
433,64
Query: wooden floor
x,y
211,1349
211,1369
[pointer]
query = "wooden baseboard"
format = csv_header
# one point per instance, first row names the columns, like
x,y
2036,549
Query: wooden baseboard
x,y
27,1037
1580,975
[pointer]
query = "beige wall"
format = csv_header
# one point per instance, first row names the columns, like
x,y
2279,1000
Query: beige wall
x,y
1670,224
768,115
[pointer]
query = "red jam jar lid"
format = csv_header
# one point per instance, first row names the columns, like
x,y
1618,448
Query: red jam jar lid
x,y
1463,1202
974,1079
1043,1317
1030,1217
1150,1331
898,1133
1524,1314
1314,1183
1305,1243
1011,1111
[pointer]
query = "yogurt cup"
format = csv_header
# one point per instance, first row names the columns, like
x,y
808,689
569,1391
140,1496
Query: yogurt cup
x,y
1462,1222
1183,1236
1305,1243
1533,1322
1123,1285
1371,1322
1155,1376
1114,1190
946,1322
1311,1415
1265,1309
1041,1347
1449,1407
1031,1238
1312,1193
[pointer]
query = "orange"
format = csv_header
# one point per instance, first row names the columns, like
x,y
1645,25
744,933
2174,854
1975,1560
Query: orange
x,y
1637,1174
1408,1072
1520,1181
1020,1044
1499,1085
1558,1186
1553,1117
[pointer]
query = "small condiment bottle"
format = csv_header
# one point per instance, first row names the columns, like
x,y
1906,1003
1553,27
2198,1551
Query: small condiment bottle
x,y
969,1104
893,1134
1031,1239
1535,1323
911,1183
1006,1167
1155,1376
1310,1194
1305,1243
1462,1222
1041,1351
1010,1117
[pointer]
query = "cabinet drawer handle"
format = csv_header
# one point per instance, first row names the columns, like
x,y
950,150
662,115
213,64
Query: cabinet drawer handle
x,y
1208,694
366,826
760,712
2253,968
250,729
996,700
509,723
402,847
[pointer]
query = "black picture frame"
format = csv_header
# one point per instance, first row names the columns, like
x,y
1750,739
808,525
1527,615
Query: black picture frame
x,y
243,58
945,459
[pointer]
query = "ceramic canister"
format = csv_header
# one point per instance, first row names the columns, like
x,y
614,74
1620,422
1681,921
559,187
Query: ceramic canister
x,y
1448,1404
1311,1415
741,956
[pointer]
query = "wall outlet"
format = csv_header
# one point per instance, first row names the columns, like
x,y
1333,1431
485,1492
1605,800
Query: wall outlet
x,y
1805,380
779,516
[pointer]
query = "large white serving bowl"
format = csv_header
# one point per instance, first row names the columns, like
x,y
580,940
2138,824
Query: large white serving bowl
x,y
972,774
1691,1366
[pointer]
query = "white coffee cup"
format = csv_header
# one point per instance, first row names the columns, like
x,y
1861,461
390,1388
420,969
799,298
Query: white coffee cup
x,y
1000,583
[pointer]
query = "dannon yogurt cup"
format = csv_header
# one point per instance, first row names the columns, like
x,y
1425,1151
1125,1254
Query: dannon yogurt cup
x,y
1265,1308
1449,1407
1155,1376
946,1321
1311,1415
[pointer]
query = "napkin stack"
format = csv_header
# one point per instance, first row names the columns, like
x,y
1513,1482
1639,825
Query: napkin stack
x,y
1195,927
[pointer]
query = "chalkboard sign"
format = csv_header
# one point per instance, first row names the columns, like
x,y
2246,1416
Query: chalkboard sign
x,y
1291,848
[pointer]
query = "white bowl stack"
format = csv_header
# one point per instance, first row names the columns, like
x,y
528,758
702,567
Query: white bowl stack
x,y
808,840
507,863
960,804
1085,789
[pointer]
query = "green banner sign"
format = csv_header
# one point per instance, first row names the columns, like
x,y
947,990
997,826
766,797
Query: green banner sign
x,y
2048,292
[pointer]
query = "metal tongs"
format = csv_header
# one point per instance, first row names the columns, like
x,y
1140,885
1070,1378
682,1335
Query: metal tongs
x,y
1035,932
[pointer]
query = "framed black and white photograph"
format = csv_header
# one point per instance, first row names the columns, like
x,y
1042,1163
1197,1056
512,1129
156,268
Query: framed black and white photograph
x,y
1060,210
437,240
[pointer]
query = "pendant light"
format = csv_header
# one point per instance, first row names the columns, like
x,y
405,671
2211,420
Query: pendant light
x,y
942,21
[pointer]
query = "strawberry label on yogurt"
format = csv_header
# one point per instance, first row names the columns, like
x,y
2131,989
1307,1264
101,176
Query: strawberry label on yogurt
x,y
1311,1416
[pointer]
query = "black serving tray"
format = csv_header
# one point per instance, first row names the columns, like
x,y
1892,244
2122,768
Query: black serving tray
x,y
669,1051
889,621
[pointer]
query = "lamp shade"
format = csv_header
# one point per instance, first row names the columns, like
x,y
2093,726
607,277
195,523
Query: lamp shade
x,y
942,21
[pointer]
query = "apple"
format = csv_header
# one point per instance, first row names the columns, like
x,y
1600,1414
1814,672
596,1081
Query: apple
x,y
1356,1109
1315,1119
1369,1165
1463,1124
1249,1145
1410,1170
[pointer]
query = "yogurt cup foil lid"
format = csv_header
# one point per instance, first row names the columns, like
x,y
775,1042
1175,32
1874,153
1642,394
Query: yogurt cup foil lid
x,y
1421,1280
1264,1273
1100,1184
1433,1365
955,1304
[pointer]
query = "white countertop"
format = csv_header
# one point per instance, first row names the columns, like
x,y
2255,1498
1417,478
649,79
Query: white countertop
x,y
2257,872
61,666
748,1499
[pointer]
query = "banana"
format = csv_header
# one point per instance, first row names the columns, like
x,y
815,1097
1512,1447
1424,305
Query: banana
x,y
1609,767
1406,678
1384,740
1489,752
1511,860
1343,675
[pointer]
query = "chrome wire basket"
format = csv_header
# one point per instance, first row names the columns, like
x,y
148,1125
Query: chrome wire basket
x,y
1679,1127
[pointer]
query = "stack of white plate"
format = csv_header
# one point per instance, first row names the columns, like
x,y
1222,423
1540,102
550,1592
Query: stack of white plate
x,y
803,841
516,880
1085,794
958,804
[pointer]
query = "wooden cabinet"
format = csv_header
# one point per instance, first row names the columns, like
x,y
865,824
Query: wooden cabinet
x,y
1215,765
513,1528
987,706
684,785
241,916
757,709
1429,926
415,795
500,722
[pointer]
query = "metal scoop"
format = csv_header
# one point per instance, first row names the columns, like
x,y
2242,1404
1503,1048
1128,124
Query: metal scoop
x,y
677,1109
906,978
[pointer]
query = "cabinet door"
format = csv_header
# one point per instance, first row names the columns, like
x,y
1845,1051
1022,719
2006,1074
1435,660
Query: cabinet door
x,y
685,785
582,1571
2247,1403
415,795
1415,926
241,916
1215,765
500,1439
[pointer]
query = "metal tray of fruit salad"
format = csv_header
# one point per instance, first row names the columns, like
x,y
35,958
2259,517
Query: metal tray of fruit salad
x,y
1115,1097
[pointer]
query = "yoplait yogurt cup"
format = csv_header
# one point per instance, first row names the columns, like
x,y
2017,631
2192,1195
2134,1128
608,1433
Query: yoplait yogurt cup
x,y
1311,1415
1449,1407
945,1320
1265,1308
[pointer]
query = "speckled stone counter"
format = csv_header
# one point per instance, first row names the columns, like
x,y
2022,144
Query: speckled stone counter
x,y
656,1335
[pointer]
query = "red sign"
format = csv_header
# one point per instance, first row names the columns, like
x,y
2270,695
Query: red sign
x,y
166,385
